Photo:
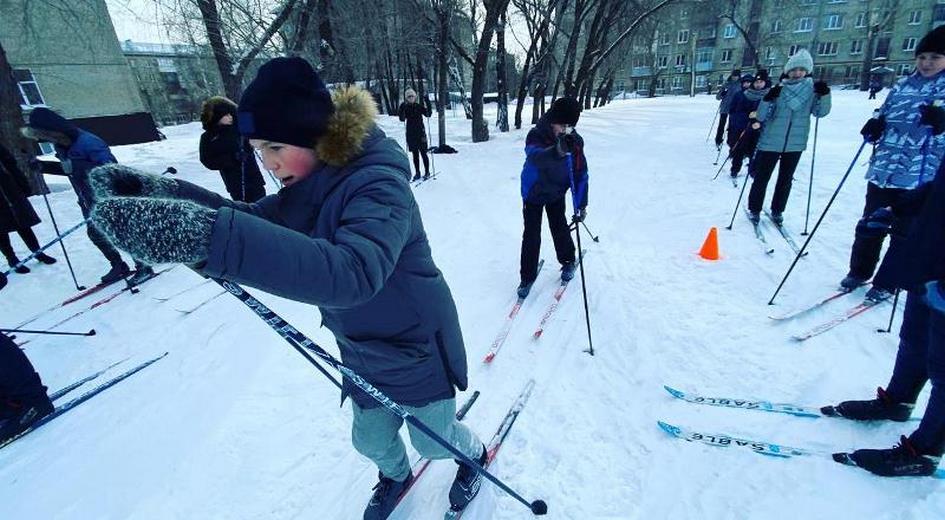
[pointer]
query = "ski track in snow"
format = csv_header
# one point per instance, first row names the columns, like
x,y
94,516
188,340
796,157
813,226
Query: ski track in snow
x,y
234,425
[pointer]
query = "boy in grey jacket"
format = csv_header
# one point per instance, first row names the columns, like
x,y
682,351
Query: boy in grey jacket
x,y
345,234
785,115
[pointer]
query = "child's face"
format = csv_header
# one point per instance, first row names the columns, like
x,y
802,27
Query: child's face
x,y
289,163
745,84
226,120
558,128
929,64
759,84
796,73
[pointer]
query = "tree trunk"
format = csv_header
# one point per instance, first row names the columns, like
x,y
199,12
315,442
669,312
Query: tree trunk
x,y
211,21
502,118
11,120
494,9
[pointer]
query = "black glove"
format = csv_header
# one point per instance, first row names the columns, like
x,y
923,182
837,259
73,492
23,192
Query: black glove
x,y
873,130
156,231
934,295
565,144
116,180
821,88
580,215
773,93
933,116
877,224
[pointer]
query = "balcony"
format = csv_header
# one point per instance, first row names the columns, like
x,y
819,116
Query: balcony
x,y
641,71
704,66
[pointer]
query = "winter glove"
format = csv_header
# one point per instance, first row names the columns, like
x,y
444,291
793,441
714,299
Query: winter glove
x,y
755,125
933,116
934,295
773,93
580,215
873,129
116,180
877,224
565,144
821,88
156,231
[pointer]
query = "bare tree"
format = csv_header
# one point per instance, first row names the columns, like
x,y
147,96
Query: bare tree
x,y
501,76
730,11
494,9
537,15
11,118
879,16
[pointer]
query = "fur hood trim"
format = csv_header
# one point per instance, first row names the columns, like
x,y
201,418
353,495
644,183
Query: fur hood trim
x,y
354,117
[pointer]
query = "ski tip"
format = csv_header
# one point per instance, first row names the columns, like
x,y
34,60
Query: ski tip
x,y
489,357
669,428
843,458
537,334
673,392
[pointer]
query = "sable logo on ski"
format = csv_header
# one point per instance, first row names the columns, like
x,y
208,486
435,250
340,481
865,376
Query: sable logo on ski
x,y
507,326
746,404
492,449
559,294
762,447
59,410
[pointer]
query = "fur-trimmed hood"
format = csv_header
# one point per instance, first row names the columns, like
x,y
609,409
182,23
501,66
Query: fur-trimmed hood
x,y
214,109
354,117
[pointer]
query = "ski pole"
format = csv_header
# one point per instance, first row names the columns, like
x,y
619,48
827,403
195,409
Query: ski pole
x,y
892,315
587,314
62,244
738,203
810,185
47,246
91,332
301,343
819,220
595,238
717,155
731,151
711,126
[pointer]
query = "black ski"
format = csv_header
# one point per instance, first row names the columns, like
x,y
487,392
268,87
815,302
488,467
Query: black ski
x,y
756,226
65,390
786,235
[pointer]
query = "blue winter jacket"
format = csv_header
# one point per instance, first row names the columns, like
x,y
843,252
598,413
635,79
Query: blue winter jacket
x,y
727,95
908,155
546,177
744,104
786,120
349,239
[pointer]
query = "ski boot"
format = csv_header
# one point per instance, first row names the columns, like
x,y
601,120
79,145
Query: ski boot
x,y
415,177
851,282
142,274
387,493
45,259
19,416
567,271
878,294
903,460
524,288
883,408
13,261
754,217
118,271
467,483
777,217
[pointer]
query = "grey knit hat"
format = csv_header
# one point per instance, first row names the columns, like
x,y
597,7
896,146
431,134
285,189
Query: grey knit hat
x,y
801,59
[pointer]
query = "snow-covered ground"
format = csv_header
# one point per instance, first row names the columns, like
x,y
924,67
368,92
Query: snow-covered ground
x,y
234,424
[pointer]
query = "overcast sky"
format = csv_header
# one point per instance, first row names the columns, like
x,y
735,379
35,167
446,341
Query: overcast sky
x,y
137,20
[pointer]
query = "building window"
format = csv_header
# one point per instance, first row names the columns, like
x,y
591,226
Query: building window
x,y
776,26
664,38
700,81
853,72
860,20
833,22
682,36
677,82
726,56
662,62
915,17
793,49
166,65
827,49
856,47
704,56
680,60
30,95
882,48
905,69
908,45
729,31
804,24
938,15
770,54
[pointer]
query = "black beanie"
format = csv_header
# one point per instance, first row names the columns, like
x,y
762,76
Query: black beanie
x,y
286,103
934,41
564,111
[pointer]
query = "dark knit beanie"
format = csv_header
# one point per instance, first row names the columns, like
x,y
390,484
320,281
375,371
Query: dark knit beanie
x,y
934,41
286,103
747,78
564,111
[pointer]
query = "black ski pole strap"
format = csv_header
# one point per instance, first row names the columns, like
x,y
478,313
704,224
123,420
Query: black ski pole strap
x,y
301,343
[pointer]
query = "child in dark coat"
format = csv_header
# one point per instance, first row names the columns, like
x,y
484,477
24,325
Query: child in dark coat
x,y
344,233
16,212
23,399
744,128
223,149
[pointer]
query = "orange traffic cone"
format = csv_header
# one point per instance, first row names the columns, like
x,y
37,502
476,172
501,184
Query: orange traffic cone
x,y
710,248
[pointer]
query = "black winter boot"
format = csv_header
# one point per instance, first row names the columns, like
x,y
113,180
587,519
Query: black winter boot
x,y
883,408
851,282
142,274
14,261
467,483
46,259
116,273
21,416
387,493
903,460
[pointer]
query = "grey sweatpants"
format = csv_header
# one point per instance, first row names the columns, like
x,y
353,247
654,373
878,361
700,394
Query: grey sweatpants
x,y
375,433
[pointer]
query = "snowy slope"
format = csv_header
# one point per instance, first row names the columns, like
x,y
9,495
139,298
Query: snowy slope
x,y
234,425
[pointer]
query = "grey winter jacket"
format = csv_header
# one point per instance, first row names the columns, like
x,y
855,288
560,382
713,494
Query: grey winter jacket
x,y
786,120
727,95
350,240
908,155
